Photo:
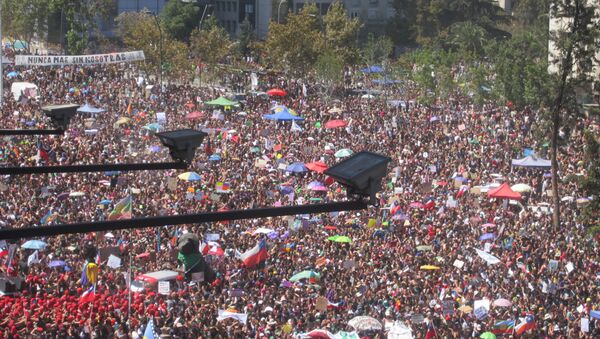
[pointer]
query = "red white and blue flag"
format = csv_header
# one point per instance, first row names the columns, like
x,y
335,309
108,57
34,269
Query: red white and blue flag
x,y
88,296
255,256
526,324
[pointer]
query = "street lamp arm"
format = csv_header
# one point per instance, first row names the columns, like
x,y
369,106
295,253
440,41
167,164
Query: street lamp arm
x,y
103,226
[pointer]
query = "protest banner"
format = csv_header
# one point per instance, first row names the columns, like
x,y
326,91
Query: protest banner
x,y
91,59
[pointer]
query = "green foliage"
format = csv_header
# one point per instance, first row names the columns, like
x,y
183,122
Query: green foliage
x,y
433,74
377,50
467,37
80,17
591,181
212,44
521,67
247,37
427,21
329,70
24,19
295,45
180,18
341,33
140,31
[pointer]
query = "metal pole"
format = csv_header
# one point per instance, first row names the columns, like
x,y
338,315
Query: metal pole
x,y
31,132
102,226
91,168
279,9
160,51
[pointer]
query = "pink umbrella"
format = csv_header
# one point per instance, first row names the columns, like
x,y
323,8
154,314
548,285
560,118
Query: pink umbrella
x,y
317,186
416,204
336,123
194,115
502,303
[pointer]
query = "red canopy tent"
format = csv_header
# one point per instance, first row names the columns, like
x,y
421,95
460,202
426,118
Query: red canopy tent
x,y
317,166
504,192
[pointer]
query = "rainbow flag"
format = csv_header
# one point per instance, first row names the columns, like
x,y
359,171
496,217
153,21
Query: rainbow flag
x,y
222,186
122,210
504,327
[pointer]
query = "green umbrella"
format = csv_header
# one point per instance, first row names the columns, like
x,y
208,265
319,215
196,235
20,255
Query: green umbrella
x,y
487,335
344,152
221,102
340,238
474,141
305,275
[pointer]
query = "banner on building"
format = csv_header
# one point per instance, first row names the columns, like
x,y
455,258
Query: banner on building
x,y
91,59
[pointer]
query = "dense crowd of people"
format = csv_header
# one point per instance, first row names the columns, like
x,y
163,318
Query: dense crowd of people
x,y
413,259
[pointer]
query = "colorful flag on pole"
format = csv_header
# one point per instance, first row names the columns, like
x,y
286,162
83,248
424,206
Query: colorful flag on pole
x,y
122,210
504,327
232,314
149,333
88,296
526,324
255,256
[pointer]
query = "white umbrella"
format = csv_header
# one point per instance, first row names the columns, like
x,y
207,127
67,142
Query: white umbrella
x,y
263,230
365,323
521,188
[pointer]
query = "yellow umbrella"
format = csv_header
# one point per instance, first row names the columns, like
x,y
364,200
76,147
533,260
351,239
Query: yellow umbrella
x,y
465,309
429,267
122,120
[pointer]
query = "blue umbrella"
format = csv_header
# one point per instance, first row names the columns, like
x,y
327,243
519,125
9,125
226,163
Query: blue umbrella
x,y
105,202
214,157
282,115
20,44
34,245
154,149
372,69
296,167
56,263
286,189
487,236
12,74
154,127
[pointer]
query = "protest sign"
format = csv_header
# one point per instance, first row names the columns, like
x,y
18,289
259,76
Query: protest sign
x,y
458,264
417,318
448,307
480,313
212,236
164,287
198,276
585,325
113,261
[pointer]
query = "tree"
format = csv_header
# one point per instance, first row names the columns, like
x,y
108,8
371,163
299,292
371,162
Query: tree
x,y
295,45
140,31
377,50
211,44
329,70
80,17
576,46
247,37
341,33
402,27
468,38
591,181
24,19
180,18
521,68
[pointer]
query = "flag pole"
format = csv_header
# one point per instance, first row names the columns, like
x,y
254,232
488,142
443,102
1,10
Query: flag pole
x,y
129,287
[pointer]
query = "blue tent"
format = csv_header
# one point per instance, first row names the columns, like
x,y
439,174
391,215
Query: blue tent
x,y
385,82
283,115
90,109
372,69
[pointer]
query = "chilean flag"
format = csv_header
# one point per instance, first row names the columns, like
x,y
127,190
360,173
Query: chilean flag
x,y
255,256
211,248
88,295
525,325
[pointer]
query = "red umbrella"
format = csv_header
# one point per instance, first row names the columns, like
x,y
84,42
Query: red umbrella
x,y
317,166
330,228
336,123
194,115
276,92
